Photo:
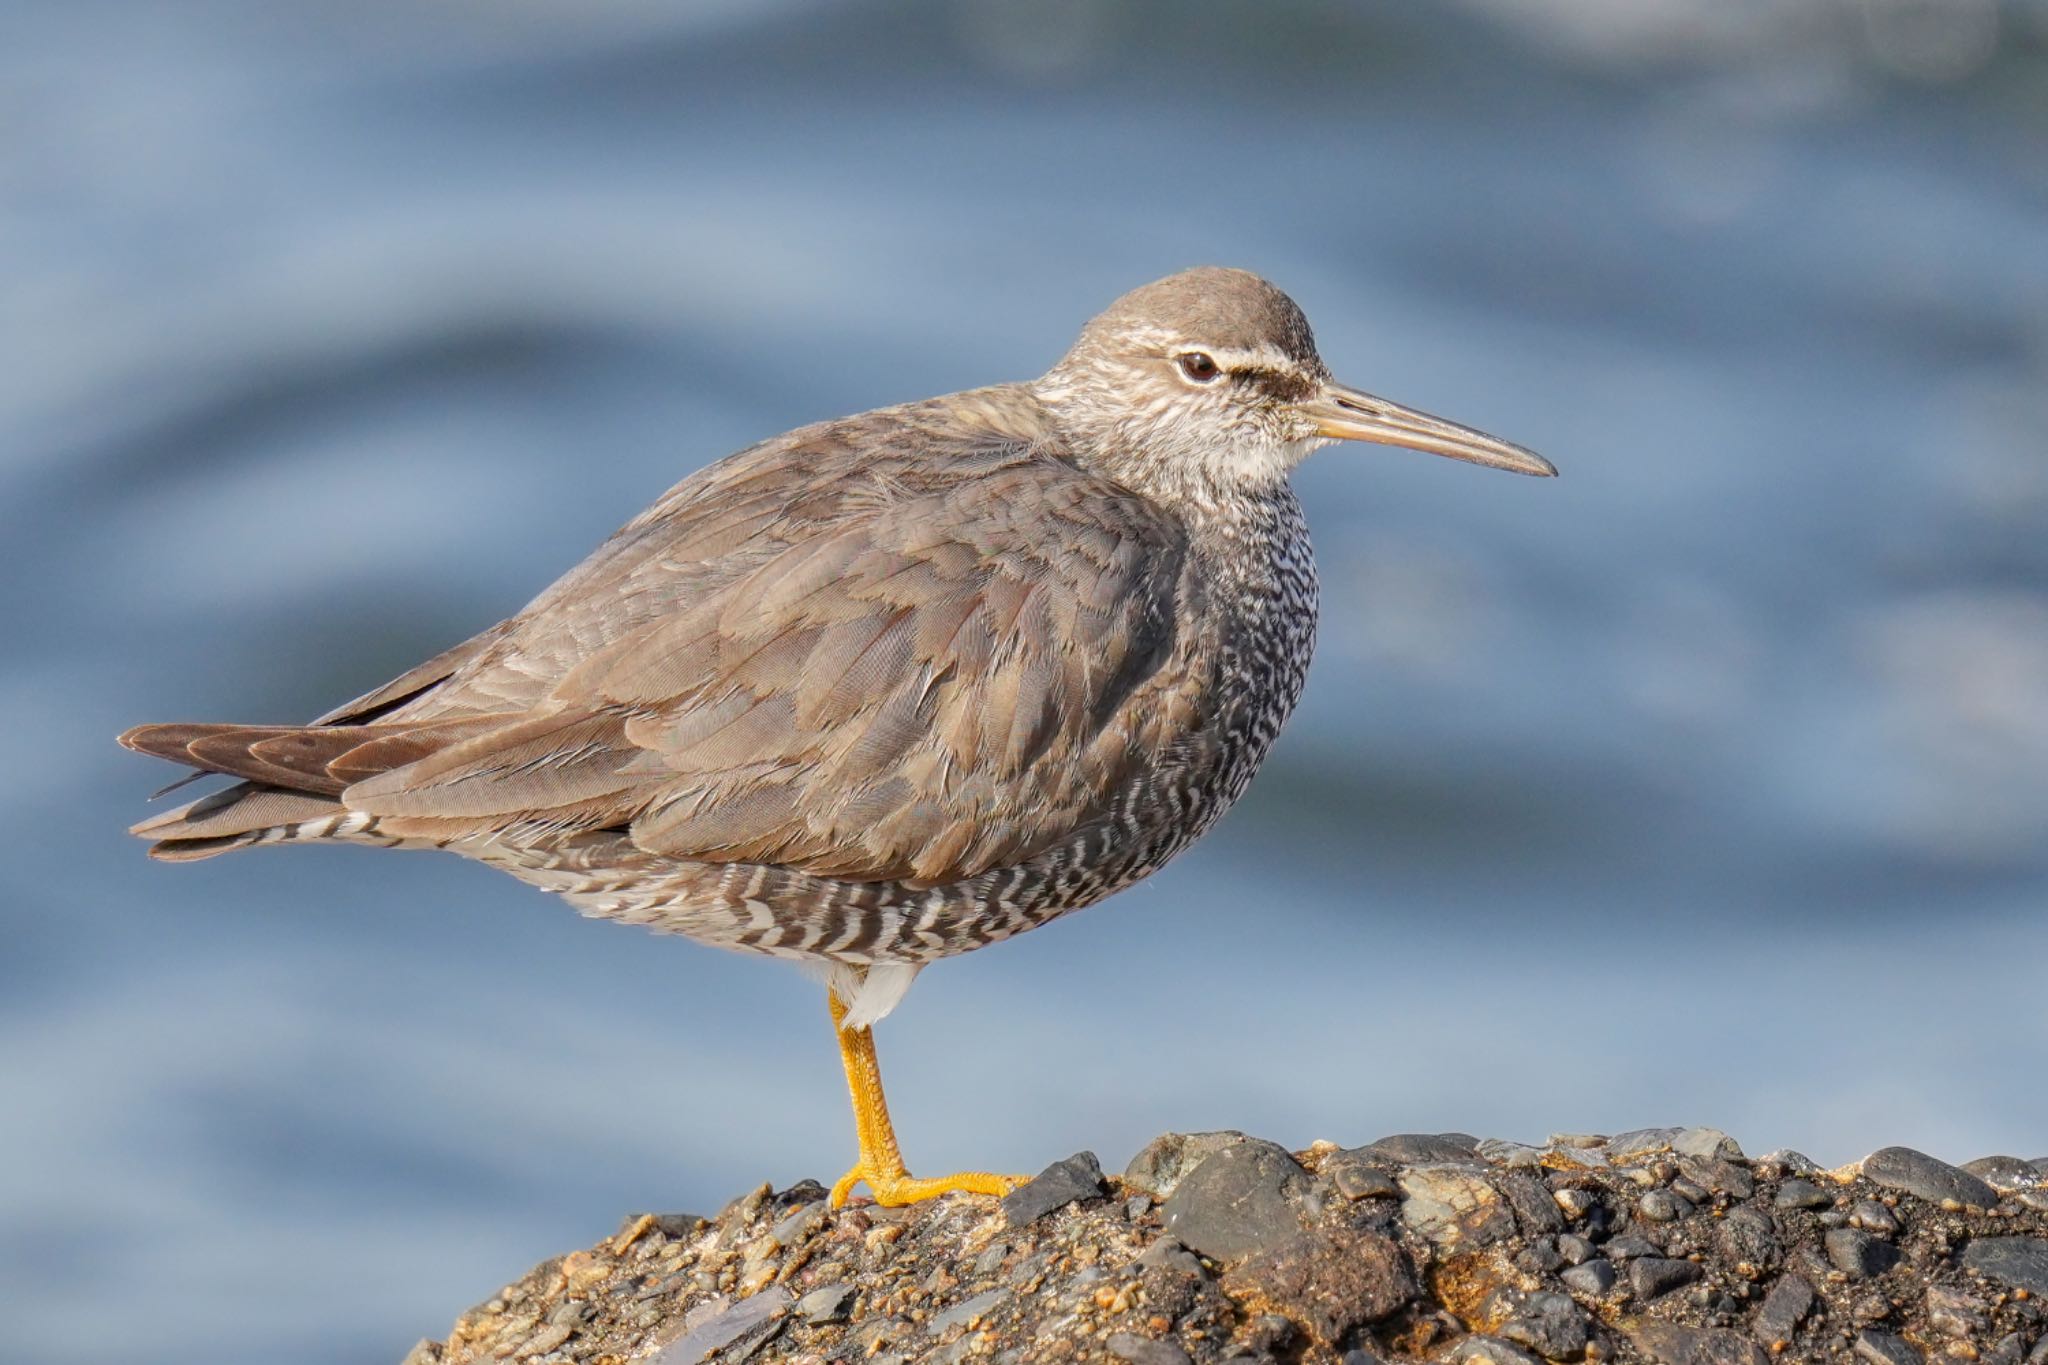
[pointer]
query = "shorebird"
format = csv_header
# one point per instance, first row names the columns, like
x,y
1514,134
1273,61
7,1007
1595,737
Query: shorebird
x,y
882,689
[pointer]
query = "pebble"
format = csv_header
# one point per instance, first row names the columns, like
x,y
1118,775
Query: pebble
x,y
1628,1246
1923,1177
1576,1249
1640,1142
1592,1279
1166,1160
1172,1255
1489,1351
1058,1185
1784,1161
1859,1255
1356,1178
1532,1202
826,1303
723,1326
1516,1156
1235,1203
1788,1303
1711,1143
1573,1202
1872,1216
966,1311
1663,1206
1802,1194
1882,1348
1550,1325
1956,1313
1145,1351
1719,1176
1670,1343
1748,1237
1655,1276
2016,1262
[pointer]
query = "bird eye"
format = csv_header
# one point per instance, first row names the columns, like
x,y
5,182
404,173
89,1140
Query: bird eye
x,y
1199,366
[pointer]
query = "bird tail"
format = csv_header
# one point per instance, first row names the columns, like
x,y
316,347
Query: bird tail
x,y
293,777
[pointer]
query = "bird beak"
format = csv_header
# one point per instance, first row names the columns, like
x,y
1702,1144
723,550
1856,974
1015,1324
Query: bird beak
x,y
1345,414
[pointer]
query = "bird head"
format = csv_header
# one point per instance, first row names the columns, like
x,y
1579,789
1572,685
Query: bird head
x,y
1209,380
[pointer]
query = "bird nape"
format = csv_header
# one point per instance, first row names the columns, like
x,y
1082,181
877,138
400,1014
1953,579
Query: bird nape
x,y
882,689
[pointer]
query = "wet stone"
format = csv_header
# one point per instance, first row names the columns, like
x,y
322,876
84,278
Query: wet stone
x,y
1882,1348
1653,1277
1235,1203
1802,1194
1593,1279
2015,1262
1923,1177
1784,1308
1058,1185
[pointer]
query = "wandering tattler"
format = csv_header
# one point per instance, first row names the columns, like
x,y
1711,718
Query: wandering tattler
x,y
882,689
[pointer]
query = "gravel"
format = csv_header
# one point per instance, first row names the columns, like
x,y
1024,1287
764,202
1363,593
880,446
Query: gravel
x,y
1663,1245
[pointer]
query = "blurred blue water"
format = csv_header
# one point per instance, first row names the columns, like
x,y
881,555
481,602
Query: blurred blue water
x,y
1707,784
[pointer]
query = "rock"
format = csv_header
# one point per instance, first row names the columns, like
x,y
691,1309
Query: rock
x,y
1576,1250
2016,1262
1592,1279
1162,1163
1803,1194
825,1304
723,1326
1551,1325
1640,1142
1058,1185
1710,1143
1411,1149
1748,1238
1785,1307
1629,1246
1331,1282
1235,1203
1145,1351
1859,1255
1453,1204
1535,1209
967,1311
1923,1177
1655,1276
1662,1206
1356,1176
1670,1343
1956,1313
1489,1351
2006,1174
1719,1176
1882,1348
1872,1216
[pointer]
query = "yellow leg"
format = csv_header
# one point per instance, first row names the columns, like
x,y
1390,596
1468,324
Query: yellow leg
x,y
881,1161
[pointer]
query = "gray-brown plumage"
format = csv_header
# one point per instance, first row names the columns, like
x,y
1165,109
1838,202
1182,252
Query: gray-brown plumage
x,y
881,689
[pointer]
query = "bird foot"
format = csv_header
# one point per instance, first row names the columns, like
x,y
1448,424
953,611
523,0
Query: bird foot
x,y
893,1190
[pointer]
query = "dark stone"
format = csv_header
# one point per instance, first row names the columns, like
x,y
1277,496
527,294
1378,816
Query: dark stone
x,y
1872,1216
1540,1257
1655,1276
1785,1307
1882,1348
1145,1351
1576,1249
1166,1160
967,1310
1550,1325
2016,1262
1592,1279
1356,1177
1630,1245
1662,1206
1170,1255
1669,1343
1410,1149
1748,1236
1235,1203
1923,1177
1489,1351
1058,1185
677,1224
2004,1173
1718,1176
725,1326
1859,1255
1331,1283
1534,1205
1956,1313
1803,1194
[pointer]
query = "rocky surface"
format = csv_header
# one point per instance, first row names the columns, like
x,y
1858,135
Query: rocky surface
x,y
1667,1245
